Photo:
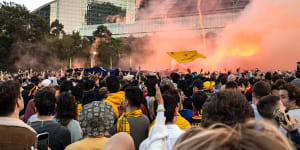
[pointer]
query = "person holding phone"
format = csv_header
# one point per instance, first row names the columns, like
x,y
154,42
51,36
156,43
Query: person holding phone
x,y
290,97
45,101
272,110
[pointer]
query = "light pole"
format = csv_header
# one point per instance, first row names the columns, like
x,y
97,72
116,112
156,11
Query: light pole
x,y
93,59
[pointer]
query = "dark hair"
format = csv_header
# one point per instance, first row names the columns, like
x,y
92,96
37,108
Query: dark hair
x,y
252,81
298,74
187,104
223,79
173,93
165,88
66,109
227,107
199,99
170,106
88,84
35,80
150,83
175,77
198,83
65,86
267,105
293,92
134,96
276,77
231,85
77,92
261,89
9,93
277,84
245,82
268,76
44,101
113,84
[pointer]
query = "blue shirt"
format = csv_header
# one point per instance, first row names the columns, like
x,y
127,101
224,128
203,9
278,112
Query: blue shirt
x,y
256,113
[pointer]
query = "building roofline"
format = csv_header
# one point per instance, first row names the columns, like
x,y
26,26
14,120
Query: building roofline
x,y
45,5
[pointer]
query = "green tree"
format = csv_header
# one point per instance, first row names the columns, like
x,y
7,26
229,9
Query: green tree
x,y
112,51
56,29
17,25
70,46
103,33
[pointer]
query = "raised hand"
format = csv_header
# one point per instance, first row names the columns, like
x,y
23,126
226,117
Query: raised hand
x,y
291,123
158,95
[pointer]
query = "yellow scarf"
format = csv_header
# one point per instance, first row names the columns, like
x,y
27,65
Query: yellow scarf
x,y
123,124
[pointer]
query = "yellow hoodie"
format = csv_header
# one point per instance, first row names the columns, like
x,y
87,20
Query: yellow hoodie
x,y
115,100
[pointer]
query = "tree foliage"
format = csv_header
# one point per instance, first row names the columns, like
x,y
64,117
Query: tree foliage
x,y
103,33
18,25
27,41
70,46
57,29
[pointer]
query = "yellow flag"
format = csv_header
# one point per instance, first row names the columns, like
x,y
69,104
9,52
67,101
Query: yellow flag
x,y
185,56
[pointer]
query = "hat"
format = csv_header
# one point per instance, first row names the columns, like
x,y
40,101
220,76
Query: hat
x,y
53,80
207,85
96,118
46,83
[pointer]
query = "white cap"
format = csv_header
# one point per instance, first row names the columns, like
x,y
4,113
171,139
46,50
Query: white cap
x,y
46,83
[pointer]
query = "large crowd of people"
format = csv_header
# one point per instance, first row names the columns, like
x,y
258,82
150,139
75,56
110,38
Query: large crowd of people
x,y
250,110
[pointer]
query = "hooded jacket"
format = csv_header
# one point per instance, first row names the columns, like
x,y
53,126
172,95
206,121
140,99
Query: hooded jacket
x,y
115,100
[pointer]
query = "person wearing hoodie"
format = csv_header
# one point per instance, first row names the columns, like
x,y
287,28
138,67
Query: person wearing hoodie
x,y
115,96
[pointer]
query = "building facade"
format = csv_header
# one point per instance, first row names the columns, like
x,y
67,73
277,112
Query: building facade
x,y
130,17
48,11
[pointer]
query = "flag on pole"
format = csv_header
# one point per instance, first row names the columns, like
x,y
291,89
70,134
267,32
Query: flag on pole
x,y
111,62
92,62
130,62
185,56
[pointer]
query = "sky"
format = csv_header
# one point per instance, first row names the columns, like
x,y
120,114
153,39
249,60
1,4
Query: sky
x,y
30,4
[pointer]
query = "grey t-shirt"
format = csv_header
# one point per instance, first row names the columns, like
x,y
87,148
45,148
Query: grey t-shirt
x,y
295,113
296,82
75,130
59,136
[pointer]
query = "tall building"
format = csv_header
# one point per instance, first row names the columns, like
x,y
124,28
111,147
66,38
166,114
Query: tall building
x,y
48,11
107,11
69,14
216,14
75,13
130,17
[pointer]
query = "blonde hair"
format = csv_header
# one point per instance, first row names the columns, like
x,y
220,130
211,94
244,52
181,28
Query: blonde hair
x,y
253,135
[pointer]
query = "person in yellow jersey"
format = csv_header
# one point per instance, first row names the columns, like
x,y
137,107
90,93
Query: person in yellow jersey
x,y
115,96
133,121
96,119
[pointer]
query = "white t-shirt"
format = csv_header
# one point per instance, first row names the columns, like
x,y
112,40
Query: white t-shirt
x,y
173,131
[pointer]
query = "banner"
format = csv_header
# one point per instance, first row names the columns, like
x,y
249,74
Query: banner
x,y
185,56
